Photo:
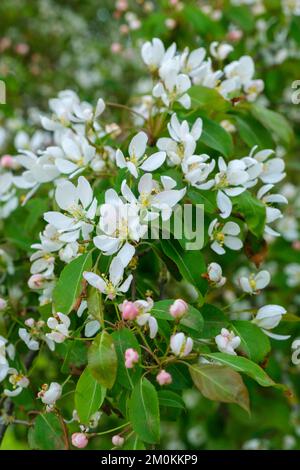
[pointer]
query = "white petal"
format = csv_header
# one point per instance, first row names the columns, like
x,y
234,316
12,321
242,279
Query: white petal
x,y
137,146
154,161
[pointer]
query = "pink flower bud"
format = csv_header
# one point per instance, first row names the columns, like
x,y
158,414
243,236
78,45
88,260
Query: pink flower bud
x,y
131,358
296,245
178,308
22,48
80,440
36,281
235,35
117,440
7,161
164,378
129,310
116,47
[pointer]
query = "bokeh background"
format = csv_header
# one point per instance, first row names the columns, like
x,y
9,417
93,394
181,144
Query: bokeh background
x,y
92,47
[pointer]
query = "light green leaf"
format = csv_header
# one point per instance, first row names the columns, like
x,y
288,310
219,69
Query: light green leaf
x,y
144,411
244,365
69,284
89,396
208,99
102,360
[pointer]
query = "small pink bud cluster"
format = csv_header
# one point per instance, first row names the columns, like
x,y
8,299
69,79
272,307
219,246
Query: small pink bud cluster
x,y
129,310
117,440
131,358
178,308
79,440
164,378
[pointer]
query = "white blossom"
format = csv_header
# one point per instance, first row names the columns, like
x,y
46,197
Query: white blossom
x,y
59,326
137,159
253,283
113,285
215,276
268,317
181,345
227,342
81,207
224,235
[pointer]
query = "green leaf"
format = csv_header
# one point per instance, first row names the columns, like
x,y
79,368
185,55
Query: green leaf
x,y
73,353
254,343
241,16
214,320
94,303
89,396
220,383
134,443
214,136
46,433
253,210
202,23
170,399
244,365
144,411
69,284
124,339
207,198
208,99
273,121
191,264
102,360
253,133
191,321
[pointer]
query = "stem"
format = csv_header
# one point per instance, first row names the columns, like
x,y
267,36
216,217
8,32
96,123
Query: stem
x,y
110,430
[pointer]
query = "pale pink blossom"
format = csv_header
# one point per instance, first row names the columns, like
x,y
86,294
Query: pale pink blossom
x,y
164,378
79,440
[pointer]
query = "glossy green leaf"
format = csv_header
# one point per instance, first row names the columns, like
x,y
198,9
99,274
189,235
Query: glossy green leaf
x,y
89,396
102,360
144,411
69,284
244,365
